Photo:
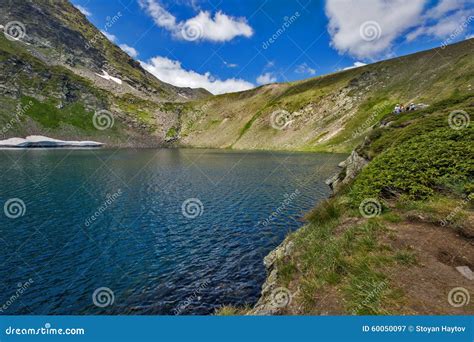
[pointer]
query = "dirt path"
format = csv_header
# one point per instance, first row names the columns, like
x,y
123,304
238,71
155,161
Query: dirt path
x,y
439,250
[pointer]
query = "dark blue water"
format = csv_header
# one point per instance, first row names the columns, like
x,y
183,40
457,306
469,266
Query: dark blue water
x,y
115,219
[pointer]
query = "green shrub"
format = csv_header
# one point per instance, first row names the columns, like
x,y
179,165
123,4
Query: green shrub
x,y
439,160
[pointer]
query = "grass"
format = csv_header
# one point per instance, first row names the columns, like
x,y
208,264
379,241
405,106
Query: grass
x,y
419,155
138,108
406,257
419,166
421,169
439,81
367,116
49,116
172,132
351,261
247,126
327,211
229,310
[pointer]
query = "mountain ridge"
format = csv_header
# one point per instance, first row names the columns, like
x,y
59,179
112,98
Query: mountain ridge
x,y
70,71
70,40
59,79
330,112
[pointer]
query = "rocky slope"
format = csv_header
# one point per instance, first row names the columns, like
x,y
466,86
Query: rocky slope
x,y
397,237
403,211
58,77
57,70
327,113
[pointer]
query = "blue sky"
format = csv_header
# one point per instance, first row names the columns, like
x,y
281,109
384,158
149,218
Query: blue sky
x,y
233,45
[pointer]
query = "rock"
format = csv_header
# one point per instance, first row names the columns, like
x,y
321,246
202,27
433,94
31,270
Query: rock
x,y
386,124
350,169
265,305
466,272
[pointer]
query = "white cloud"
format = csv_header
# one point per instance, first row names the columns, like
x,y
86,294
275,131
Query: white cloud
x,y
305,69
266,78
172,72
162,17
132,52
83,10
230,65
368,29
443,7
110,36
470,36
203,26
355,65
442,27
270,64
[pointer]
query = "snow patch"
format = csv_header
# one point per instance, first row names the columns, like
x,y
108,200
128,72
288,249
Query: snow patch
x,y
41,141
107,77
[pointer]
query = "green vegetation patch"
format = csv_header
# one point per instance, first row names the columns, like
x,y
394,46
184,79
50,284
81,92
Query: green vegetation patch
x,y
172,132
438,160
49,116
138,108
351,260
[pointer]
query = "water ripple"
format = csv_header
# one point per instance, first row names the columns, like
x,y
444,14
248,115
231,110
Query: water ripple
x,y
107,218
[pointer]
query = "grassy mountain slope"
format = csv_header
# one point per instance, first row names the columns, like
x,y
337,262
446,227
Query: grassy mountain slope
x,y
50,83
68,39
389,241
332,112
56,66
419,169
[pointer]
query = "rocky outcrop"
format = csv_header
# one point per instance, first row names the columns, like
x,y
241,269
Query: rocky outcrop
x,y
268,304
350,169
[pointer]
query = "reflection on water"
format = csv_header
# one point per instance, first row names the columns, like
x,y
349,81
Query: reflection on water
x,y
170,231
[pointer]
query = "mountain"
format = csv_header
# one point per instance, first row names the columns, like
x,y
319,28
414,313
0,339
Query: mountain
x,y
69,70
61,78
396,236
328,113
